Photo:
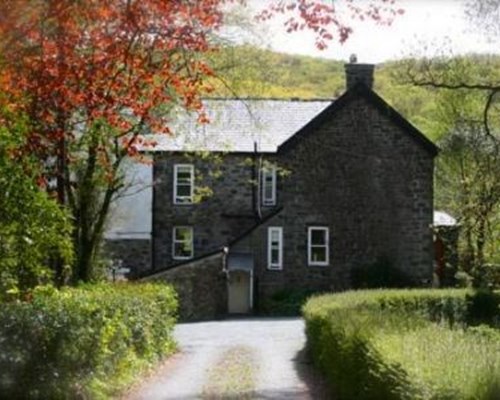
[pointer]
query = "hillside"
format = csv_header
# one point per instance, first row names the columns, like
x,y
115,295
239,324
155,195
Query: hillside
x,y
250,72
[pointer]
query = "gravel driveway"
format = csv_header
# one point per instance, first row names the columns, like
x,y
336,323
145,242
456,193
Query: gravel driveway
x,y
257,358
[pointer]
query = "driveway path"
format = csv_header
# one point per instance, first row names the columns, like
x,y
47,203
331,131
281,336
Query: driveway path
x,y
258,358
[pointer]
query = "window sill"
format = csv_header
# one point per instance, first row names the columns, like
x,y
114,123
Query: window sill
x,y
182,258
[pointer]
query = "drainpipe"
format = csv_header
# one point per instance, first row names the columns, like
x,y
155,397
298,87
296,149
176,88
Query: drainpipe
x,y
256,182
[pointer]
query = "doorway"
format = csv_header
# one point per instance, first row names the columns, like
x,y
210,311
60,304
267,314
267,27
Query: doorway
x,y
239,292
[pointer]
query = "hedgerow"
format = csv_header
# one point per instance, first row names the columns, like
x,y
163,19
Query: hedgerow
x,y
83,342
406,344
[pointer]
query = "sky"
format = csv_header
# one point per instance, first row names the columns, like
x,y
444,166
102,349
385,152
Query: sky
x,y
427,28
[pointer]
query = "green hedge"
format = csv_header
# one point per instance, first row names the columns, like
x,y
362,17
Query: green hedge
x,y
85,342
383,344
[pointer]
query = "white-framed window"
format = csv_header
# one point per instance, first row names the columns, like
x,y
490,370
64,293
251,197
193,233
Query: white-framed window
x,y
275,247
182,243
183,183
318,245
268,176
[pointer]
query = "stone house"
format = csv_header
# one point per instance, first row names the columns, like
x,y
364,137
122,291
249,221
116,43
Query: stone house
x,y
286,194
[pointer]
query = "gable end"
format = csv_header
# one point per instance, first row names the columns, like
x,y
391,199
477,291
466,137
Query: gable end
x,y
361,90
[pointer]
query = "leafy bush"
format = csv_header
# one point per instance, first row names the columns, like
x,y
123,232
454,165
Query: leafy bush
x,y
383,344
33,228
486,276
381,274
83,342
286,302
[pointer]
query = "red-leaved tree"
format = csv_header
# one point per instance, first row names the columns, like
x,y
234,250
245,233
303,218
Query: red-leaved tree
x,y
92,76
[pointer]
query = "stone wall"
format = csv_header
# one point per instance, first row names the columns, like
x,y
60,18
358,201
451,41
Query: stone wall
x,y
201,287
371,183
134,254
217,218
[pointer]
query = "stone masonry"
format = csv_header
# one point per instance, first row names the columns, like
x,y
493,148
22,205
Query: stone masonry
x,y
218,218
201,287
134,254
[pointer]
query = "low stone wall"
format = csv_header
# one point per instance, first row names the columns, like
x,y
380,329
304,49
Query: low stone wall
x,y
201,286
134,254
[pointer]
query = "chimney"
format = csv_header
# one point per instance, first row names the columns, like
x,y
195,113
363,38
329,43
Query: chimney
x,y
355,73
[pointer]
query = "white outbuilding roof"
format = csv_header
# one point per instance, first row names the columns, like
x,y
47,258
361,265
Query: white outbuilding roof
x,y
442,218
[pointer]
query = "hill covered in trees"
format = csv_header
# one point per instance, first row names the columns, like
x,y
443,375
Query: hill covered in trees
x,y
251,72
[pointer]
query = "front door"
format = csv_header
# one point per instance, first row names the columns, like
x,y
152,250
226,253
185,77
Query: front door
x,y
239,292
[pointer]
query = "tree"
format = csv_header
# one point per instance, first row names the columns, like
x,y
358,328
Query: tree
x,y
94,76
469,166
33,229
467,174
485,16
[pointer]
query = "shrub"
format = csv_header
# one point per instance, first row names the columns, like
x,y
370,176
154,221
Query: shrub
x,y
381,274
33,227
383,344
83,342
286,302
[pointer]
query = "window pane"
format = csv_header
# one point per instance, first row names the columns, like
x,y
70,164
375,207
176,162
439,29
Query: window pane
x,y
275,250
182,250
183,177
275,257
183,234
183,191
183,184
318,254
268,186
318,237
183,242
268,194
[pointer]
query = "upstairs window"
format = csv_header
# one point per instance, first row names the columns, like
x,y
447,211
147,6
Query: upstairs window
x,y
317,245
275,247
182,243
269,186
183,183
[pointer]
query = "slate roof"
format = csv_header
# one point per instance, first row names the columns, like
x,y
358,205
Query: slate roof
x,y
236,124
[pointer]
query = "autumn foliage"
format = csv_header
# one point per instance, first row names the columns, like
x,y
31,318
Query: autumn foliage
x,y
67,62
328,21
